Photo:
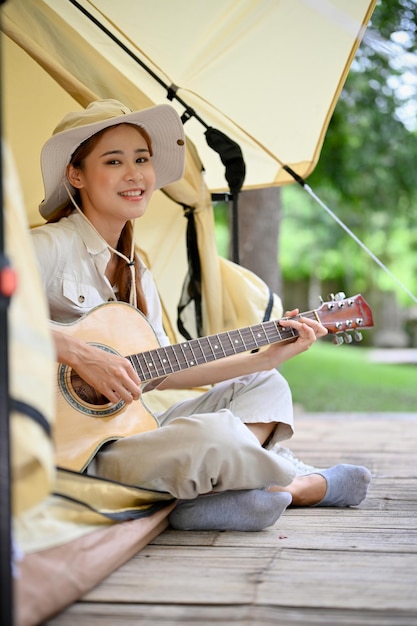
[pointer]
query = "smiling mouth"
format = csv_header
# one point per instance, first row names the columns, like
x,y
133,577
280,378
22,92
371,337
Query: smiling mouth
x,y
131,194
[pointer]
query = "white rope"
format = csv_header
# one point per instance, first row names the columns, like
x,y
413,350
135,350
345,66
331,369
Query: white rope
x,y
359,242
130,262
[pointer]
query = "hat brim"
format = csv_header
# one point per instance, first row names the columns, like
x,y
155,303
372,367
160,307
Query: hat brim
x,y
161,122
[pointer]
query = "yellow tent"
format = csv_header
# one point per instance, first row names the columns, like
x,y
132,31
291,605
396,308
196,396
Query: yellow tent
x,y
267,73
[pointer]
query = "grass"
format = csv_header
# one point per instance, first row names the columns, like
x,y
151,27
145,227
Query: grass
x,y
343,378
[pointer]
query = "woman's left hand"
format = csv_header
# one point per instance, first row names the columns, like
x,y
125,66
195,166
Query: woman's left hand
x,y
308,332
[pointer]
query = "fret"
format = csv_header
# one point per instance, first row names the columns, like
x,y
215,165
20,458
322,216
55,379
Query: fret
x,y
258,336
198,351
153,363
175,366
211,357
228,344
179,355
207,354
159,363
247,338
135,361
213,342
242,341
148,360
191,349
146,373
219,344
188,353
265,336
274,332
164,360
234,341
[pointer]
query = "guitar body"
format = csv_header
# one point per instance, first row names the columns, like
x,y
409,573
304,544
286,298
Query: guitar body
x,y
86,420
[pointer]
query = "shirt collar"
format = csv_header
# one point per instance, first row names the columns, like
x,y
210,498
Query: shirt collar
x,y
93,241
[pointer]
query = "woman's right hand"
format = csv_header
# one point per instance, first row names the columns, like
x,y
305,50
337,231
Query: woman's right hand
x,y
110,374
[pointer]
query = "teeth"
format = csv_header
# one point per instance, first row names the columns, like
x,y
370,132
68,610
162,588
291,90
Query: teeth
x,y
131,193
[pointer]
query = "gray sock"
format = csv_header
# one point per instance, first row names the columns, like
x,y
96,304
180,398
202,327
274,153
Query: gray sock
x,y
347,485
246,510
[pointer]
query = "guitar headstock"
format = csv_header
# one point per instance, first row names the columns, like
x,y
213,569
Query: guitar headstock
x,y
342,315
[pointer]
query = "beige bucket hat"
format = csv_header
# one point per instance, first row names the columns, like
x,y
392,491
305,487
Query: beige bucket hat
x,y
162,123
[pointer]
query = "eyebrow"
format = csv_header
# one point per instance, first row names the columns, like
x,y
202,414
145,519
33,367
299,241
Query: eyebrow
x,y
139,150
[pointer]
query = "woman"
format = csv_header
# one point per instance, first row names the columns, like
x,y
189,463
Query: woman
x,y
100,169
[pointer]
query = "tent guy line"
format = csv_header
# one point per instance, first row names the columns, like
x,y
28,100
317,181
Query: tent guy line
x,y
304,185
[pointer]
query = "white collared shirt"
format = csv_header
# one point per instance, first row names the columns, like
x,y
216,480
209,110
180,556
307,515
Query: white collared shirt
x,y
73,258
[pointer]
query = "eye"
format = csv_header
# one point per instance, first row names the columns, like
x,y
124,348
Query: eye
x,y
142,159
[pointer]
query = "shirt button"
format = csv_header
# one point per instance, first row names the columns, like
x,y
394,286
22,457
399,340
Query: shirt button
x,y
110,299
81,298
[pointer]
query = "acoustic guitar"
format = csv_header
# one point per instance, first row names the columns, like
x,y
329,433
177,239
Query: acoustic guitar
x,y
86,420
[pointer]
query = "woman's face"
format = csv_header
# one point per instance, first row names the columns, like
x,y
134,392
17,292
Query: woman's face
x,y
117,178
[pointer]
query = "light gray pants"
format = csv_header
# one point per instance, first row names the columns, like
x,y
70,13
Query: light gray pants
x,y
204,445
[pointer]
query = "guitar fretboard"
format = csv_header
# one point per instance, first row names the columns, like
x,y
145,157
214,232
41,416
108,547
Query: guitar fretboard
x,y
167,360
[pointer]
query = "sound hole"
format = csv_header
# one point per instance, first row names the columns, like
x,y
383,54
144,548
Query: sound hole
x,y
86,392
82,396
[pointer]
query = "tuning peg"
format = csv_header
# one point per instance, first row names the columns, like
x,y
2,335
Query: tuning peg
x,y
340,296
347,337
338,340
357,335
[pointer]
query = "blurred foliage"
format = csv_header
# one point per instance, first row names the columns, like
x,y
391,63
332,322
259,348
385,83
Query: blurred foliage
x,y
345,378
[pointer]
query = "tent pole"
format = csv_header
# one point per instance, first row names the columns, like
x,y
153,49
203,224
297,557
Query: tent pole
x,y
235,231
5,490
6,281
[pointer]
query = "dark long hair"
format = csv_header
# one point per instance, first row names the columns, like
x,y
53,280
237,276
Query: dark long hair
x,y
124,245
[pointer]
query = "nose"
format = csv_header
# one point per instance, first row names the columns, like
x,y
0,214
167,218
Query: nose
x,y
134,173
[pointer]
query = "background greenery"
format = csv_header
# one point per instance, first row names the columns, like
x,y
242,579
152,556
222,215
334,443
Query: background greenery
x,y
367,175
345,378
367,169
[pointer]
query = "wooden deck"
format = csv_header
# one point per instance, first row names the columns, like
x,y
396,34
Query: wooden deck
x,y
315,566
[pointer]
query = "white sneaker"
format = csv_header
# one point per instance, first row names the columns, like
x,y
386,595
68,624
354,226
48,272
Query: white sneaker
x,y
301,468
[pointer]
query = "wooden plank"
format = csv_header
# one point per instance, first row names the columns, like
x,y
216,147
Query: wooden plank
x,y
326,566
206,575
330,579
173,614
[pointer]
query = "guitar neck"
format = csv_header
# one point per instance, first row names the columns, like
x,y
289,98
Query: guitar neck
x,y
340,315
163,361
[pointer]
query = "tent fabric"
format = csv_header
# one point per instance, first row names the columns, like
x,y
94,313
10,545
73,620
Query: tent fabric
x,y
32,460
266,73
